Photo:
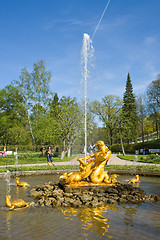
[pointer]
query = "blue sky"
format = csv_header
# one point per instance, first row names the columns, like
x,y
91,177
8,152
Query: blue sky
x,y
127,40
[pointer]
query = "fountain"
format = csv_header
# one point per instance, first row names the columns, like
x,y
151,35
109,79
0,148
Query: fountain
x,y
86,60
16,160
99,205
89,214
87,55
18,203
93,169
7,179
91,186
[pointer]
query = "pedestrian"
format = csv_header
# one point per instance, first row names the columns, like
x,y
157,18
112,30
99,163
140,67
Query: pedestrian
x,y
42,150
49,155
90,149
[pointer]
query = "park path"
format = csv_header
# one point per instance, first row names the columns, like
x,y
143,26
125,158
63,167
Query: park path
x,y
114,160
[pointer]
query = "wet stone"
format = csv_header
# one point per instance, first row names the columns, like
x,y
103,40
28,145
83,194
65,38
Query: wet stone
x,y
56,195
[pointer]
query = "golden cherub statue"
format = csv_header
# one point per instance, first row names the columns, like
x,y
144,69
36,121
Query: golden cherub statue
x,y
21,184
94,169
19,203
134,180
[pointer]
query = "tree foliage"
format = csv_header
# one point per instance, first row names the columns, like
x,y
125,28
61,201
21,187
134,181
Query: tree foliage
x,y
153,94
129,114
30,114
108,112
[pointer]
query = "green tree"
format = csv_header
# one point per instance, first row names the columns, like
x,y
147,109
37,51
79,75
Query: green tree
x,y
129,114
67,115
141,113
45,130
34,87
40,79
153,95
12,113
108,112
25,88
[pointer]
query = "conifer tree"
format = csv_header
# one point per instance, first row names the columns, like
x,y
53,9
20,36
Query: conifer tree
x,y
129,114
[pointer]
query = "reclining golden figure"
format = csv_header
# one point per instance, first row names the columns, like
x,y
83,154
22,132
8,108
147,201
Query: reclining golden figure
x,y
94,169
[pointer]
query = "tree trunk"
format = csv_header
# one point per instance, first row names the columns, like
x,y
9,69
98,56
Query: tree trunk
x,y
142,132
157,128
30,128
69,151
122,146
63,154
63,149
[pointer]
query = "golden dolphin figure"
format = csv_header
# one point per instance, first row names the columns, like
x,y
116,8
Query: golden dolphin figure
x,y
21,184
134,180
19,203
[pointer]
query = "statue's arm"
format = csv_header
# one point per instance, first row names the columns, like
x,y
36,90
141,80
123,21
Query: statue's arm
x,y
86,158
108,155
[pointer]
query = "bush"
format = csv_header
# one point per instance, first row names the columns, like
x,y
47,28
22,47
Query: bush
x,y
130,148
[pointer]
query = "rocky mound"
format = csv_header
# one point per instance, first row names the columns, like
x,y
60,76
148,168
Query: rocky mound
x,y
55,194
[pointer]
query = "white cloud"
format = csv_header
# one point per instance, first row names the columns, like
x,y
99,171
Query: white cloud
x,y
149,40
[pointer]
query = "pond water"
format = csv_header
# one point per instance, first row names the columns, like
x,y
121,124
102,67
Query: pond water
x,y
127,221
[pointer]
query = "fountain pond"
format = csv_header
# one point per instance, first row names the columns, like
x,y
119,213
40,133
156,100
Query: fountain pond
x,y
112,221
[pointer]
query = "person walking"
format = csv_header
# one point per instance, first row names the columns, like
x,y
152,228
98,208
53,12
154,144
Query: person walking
x,y
49,155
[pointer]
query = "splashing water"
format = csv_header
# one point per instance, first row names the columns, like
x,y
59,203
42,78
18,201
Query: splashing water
x,y
16,161
7,179
87,55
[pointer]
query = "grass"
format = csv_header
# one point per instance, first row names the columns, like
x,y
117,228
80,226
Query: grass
x,y
30,158
39,158
151,168
134,167
36,168
152,158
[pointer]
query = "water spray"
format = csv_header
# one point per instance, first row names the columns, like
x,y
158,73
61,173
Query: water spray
x,y
87,55
86,58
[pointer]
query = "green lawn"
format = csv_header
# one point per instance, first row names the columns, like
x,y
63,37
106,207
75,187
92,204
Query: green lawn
x,y
151,158
29,158
150,168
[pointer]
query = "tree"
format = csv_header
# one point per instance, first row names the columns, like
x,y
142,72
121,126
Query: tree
x,y
108,112
45,130
141,112
67,115
25,88
12,113
34,88
129,114
153,95
40,79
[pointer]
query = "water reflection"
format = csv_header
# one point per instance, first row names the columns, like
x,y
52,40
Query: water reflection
x,y
127,221
91,218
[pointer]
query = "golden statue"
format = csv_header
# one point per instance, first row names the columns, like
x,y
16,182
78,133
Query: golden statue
x,y
113,178
19,203
21,184
94,169
134,180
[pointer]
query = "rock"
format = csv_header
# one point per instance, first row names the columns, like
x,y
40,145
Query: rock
x,y
56,195
36,194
